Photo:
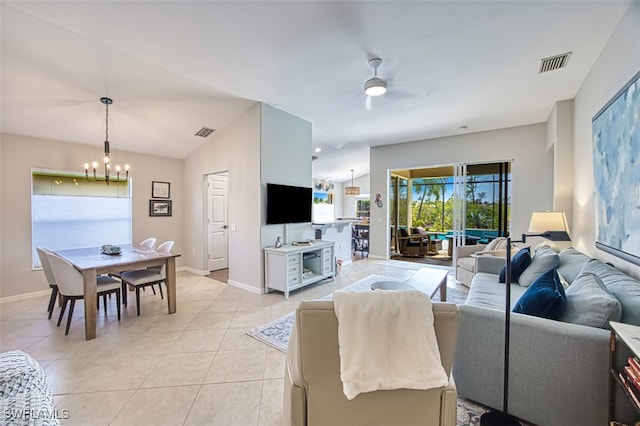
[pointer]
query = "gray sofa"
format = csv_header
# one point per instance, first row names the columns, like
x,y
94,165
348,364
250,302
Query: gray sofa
x,y
559,371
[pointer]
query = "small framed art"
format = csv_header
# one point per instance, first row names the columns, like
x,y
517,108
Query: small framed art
x,y
159,207
160,189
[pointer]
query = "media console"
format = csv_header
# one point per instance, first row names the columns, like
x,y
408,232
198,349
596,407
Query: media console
x,y
291,267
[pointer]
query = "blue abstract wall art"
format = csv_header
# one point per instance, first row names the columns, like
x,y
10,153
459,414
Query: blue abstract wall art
x,y
616,172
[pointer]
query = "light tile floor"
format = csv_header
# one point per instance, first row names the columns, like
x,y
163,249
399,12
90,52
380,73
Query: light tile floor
x,y
195,367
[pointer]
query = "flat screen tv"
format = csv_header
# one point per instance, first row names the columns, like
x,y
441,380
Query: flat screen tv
x,y
288,204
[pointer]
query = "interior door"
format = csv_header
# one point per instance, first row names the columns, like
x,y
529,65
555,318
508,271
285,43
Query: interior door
x,y
217,232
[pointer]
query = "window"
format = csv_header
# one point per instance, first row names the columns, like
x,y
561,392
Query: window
x,y
363,207
67,211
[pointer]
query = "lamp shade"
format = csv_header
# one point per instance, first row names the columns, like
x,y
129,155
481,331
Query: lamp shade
x,y
550,225
352,190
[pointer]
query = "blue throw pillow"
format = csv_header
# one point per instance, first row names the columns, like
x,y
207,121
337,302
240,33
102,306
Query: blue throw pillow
x,y
544,298
519,262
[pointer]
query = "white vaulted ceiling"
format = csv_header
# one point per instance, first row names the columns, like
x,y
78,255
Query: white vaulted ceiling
x,y
173,67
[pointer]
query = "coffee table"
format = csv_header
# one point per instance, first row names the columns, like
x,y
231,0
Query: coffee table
x,y
426,280
429,281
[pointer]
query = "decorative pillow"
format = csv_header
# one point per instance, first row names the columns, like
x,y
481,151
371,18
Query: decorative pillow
x,y
519,262
499,243
625,288
403,232
589,302
542,261
571,263
544,298
563,281
419,230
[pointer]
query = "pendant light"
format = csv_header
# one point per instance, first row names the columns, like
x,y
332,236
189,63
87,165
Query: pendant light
x,y
351,190
107,158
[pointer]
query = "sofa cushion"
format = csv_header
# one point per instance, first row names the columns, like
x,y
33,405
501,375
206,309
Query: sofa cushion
x,y
625,288
544,259
519,262
571,263
485,292
544,298
590,303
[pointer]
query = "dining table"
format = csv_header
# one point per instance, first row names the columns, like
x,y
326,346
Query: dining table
x,y
92,261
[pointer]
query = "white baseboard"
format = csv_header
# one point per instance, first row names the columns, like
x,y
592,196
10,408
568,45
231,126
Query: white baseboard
x,y
25,296
192,270
244,286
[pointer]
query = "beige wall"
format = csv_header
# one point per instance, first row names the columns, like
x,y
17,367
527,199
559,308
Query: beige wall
x,y
532,174
618,62
19,155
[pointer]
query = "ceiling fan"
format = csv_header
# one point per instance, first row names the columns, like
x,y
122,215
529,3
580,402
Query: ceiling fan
x,y
375,86
388,92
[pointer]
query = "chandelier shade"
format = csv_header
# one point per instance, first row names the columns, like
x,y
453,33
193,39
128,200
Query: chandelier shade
x,y
351,190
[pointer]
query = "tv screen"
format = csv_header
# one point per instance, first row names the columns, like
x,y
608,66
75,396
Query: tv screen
x,y
288,204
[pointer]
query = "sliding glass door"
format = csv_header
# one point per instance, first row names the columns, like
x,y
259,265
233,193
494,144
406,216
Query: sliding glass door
x,y
462,204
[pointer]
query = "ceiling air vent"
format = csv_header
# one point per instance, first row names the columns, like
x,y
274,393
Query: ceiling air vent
x,y
204,132
554,62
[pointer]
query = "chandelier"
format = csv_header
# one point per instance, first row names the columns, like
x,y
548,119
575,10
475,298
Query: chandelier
x,y
351,190
107,159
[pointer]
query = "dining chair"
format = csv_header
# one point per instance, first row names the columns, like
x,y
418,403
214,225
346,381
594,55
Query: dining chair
x,y
165,247
71,287
142,278
48,273
147,243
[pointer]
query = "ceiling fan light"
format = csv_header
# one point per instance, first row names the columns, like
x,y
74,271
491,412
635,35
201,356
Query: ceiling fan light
x,y
375,86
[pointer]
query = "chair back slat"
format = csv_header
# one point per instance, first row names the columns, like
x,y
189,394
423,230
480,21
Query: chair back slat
x,y
68,278
148,243
166,247
46,267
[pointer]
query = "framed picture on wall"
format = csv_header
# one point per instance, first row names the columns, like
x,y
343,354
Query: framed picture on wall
x,y
616,144
160,189
159,207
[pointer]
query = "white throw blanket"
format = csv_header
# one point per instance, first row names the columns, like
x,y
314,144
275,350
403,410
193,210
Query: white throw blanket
x,y
387,341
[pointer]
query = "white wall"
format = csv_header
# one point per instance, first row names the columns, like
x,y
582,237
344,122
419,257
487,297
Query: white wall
x,y
235,149
618,62
286,160
532,174
349,202
560,140
21,154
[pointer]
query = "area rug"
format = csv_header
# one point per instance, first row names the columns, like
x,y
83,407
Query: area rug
x,y
276,333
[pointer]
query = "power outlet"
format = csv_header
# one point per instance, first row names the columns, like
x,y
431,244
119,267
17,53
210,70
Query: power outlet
x,y
194,250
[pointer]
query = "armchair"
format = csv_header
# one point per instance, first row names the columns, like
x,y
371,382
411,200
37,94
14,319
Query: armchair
x,y
313,391
467,256
414,244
